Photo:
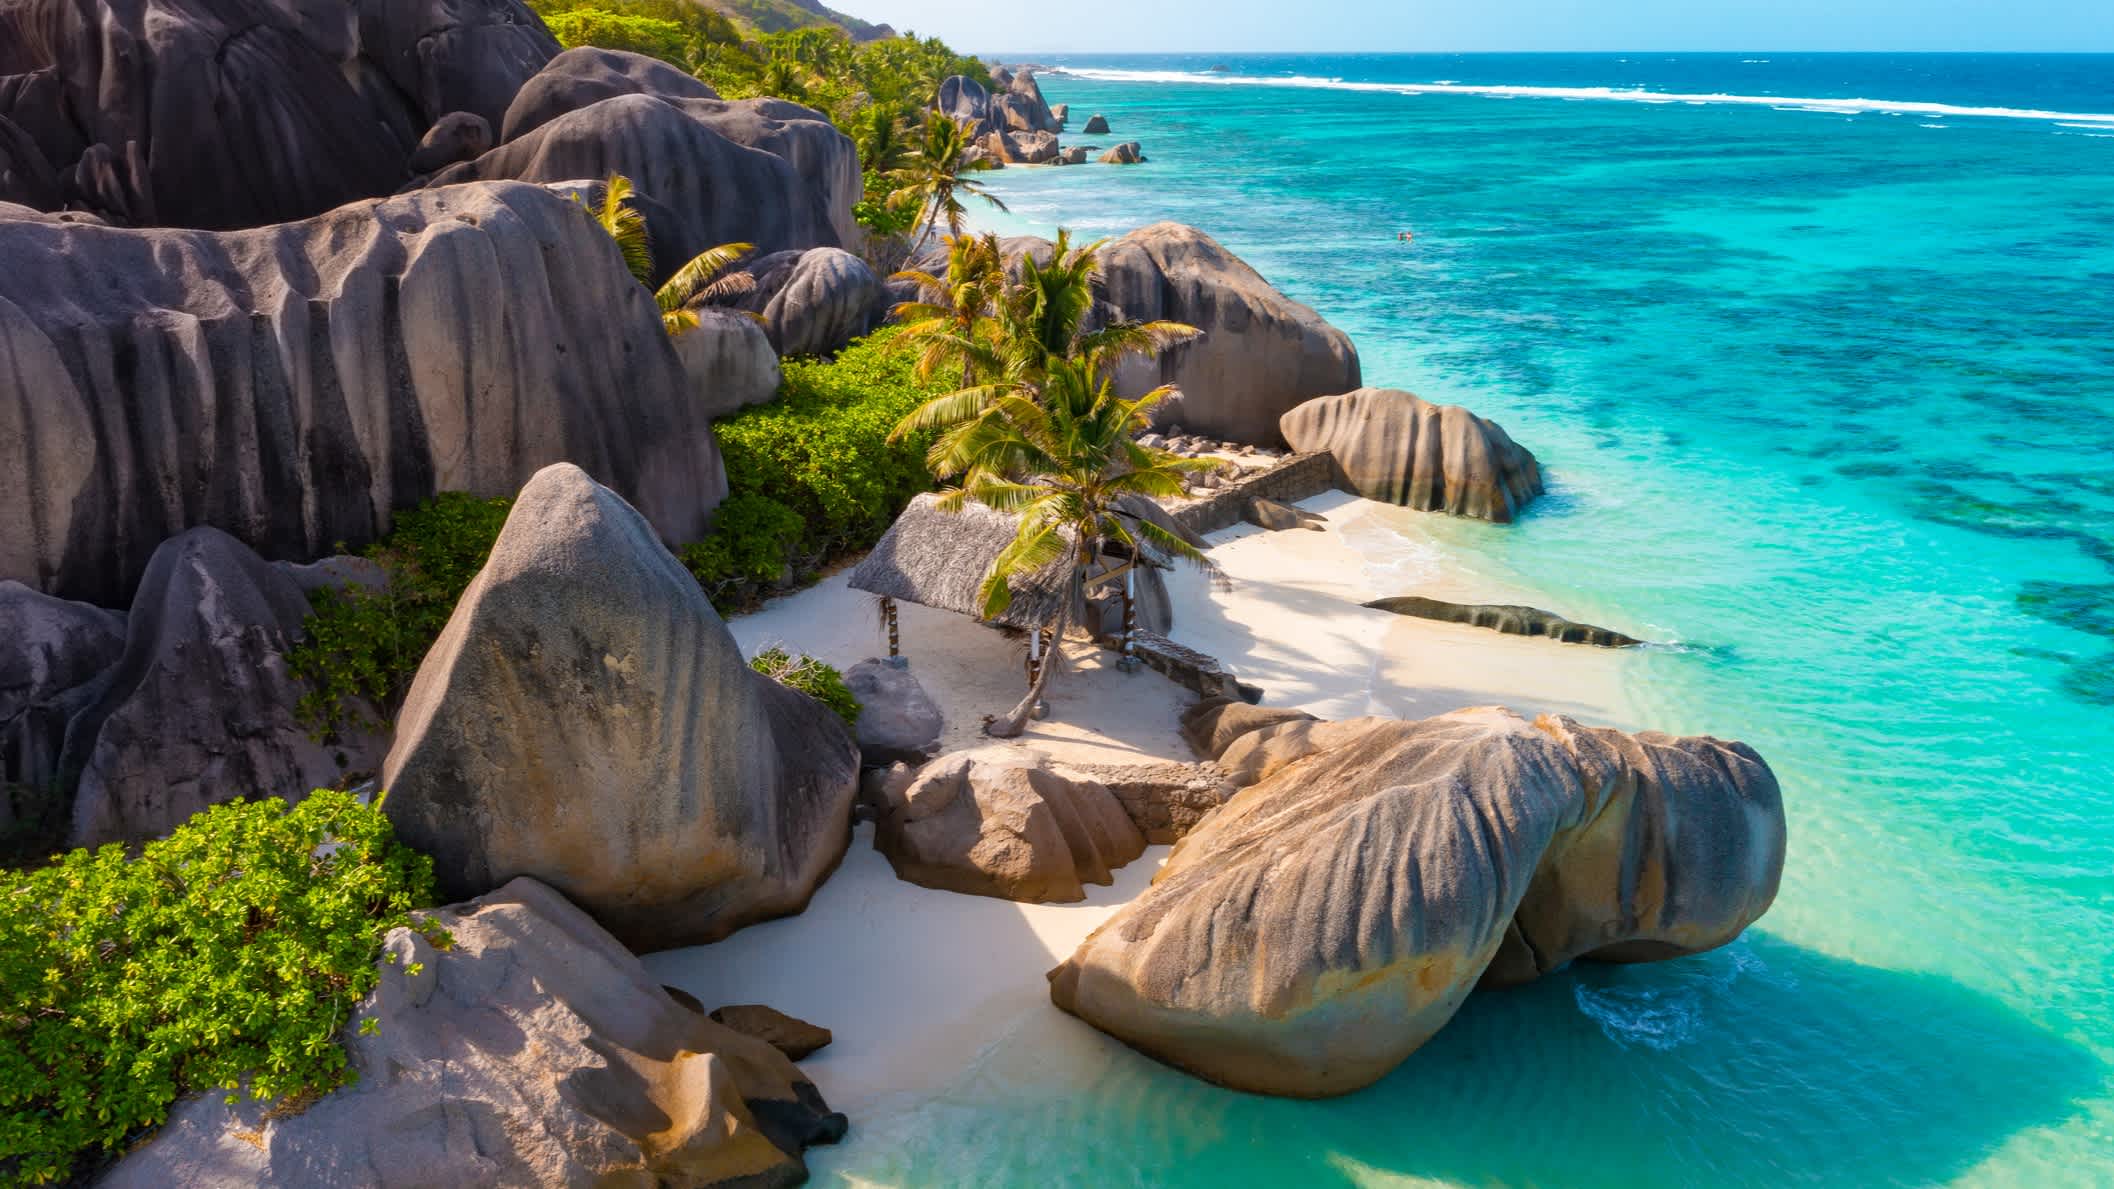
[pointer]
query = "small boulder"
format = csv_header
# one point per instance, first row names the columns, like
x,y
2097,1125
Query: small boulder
x,y
814,302
457,136
794,1037
1213,724
1096,125
1397,447
1062,113
1276,517
50,651
1004,822
1127,153
898,720
729,360
1165,801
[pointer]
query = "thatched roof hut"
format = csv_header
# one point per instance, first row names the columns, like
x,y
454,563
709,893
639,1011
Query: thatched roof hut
x,y
938,559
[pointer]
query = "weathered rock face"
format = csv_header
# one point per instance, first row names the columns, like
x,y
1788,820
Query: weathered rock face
x,y
587,75
1512,620
791,1035
49,649
533,1051
755,172
813,302
1277,518
1165,801
295,385
1023,107
1323,924
898,721
1016,105
199,709
1006,823
1096,125
1215,724
963,98
1075,155
1021,148
1397,447
586,719
729,360
457,136
1130,152
241,113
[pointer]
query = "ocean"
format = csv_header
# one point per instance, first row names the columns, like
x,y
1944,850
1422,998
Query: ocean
x,y
1817,352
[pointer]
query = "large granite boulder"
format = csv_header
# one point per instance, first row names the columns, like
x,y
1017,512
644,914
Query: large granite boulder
x,y
963,98
1130,152
586,719
1022,106
1313,932
533,1050
587,75
1096,125
730,361
1021,148
199,708
1397,447
295,385
1005,822
50,649
1215,724
1164,800
714,172
241,113
814,302
457,136
898,721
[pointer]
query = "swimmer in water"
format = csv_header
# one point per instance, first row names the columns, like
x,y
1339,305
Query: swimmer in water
x,y
1405,237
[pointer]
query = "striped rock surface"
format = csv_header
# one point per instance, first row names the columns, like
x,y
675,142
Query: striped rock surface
x,y
1397,447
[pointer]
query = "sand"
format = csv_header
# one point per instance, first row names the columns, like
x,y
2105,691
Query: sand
x,y
921,986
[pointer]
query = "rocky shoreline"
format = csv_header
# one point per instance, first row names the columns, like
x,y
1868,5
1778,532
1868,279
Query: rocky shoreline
x,y
208,394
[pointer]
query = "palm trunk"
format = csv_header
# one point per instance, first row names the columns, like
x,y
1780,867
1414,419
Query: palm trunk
x,y
1016,721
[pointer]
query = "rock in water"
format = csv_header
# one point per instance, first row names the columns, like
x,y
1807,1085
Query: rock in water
x,y
1004,822
586,719
791,1035
1507,618
814,302
898,721
1317,929
200,707
532,1051
1127,153
295,385
1397,447
49,650
1096,125
729,360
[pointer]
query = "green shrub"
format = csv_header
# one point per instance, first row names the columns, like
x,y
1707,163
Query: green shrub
x,y
810,677
812,474
364,646
229,954
666,40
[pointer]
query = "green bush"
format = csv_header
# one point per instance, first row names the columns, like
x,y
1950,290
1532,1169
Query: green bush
x,y
812,475
657,38
364,646
810,677
229,954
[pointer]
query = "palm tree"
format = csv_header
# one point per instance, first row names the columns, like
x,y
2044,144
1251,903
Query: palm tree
x,y
696,283
1064,466
933,180
944,323
877,132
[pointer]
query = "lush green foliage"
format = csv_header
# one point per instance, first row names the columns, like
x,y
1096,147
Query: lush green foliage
x,y
229,954
364,646
813,474
930,181
651,36
810,677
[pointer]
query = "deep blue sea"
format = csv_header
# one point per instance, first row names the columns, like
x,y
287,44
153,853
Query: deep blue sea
x,y
1818,354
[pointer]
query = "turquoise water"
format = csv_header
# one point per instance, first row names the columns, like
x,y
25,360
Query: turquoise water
x,y
1826,395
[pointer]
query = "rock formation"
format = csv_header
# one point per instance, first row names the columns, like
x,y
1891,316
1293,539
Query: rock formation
x,y
1005,822
1397,447
587,75
1165,800
1277,518
1020,148
49,649
199,708
813,302
294,385
791,1035
1016,105
1215,724
1321,926
586,719
1127,153
457,136
729,360
1096,125
532,1051
898,721
225,114
1512,620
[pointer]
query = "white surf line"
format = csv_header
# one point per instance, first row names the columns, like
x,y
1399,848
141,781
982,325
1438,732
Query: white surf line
x,y
1619,94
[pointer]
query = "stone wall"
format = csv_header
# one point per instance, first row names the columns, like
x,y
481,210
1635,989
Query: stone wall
x,y
1299,477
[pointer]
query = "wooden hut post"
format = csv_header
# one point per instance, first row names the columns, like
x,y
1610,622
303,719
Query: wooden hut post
x,y
1034,653
1129,662
888,613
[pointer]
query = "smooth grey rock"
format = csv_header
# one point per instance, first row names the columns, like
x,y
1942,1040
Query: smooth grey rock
x,y
49,650
534,1050
1397,447
295,385
1510,619
457,136
335,573
1319,927
729,360
814,302
586,719
1276,517
199,709
898,720
1096,125
586,75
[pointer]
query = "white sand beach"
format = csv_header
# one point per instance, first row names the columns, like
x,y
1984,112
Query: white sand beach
x,y
920,985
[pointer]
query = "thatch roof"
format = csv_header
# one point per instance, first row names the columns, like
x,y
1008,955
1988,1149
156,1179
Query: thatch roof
x,y
939,559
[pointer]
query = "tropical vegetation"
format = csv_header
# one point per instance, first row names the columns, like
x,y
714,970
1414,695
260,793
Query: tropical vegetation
x,y
700,281
931,181
811,677
228,956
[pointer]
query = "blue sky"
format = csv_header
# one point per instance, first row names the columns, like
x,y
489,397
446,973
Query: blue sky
x,y
981,26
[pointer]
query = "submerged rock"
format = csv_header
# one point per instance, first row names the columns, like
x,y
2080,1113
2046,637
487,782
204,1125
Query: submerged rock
x,y
1325,923
1397,447
1512,620
1007,823
533,1050
586,719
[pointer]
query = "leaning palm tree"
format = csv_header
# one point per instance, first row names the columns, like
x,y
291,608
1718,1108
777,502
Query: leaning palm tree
x,y
704,279
945,322
932,181
1065,467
